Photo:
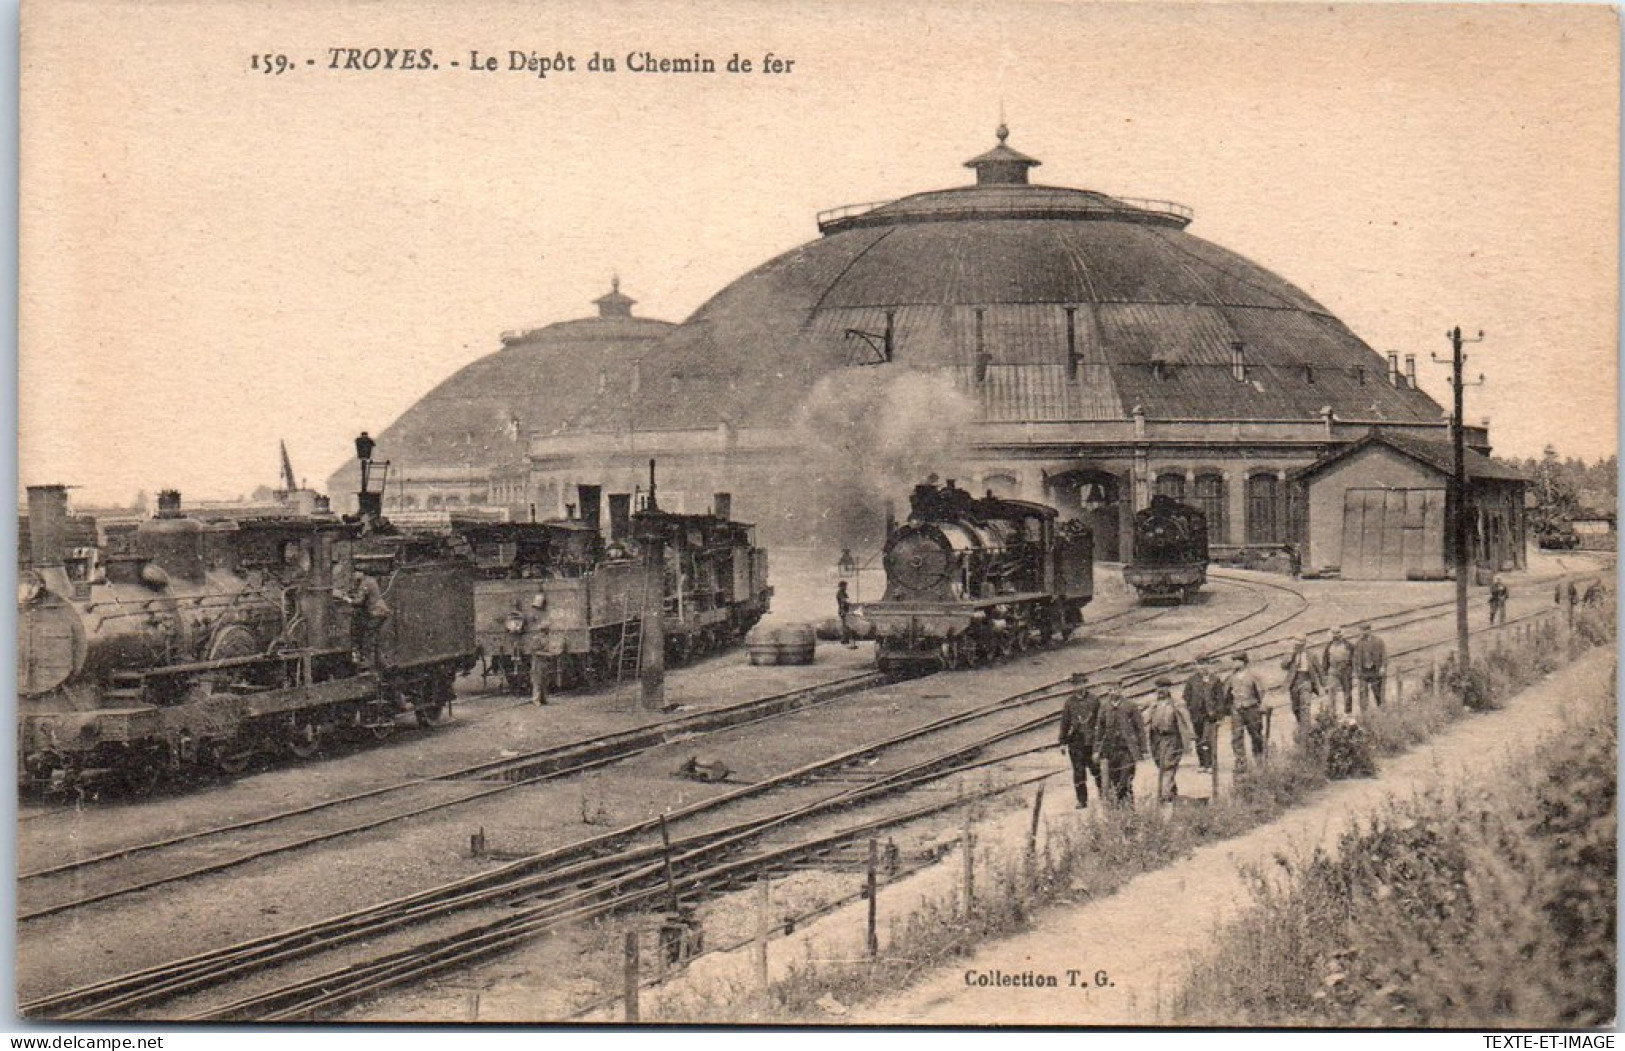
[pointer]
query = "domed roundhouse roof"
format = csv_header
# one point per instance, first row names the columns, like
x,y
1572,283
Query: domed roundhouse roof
x,y
1080,306
483,413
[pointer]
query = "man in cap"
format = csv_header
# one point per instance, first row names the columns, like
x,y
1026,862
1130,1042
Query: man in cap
x,y
1498,600
1370,664
1338,660
1119,742
1204,700
843,606
1303,681
1169,732
542,649
1078,720
368,611
1247,692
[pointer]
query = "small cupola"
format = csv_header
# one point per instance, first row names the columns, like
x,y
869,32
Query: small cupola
x,y
1002,166
614,304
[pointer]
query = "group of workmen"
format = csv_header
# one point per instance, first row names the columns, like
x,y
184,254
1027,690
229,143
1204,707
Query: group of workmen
x,y
1106,734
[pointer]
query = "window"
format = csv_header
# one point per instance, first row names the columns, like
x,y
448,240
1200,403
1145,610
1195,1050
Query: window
x,y
1172,485
1265,517
1210,500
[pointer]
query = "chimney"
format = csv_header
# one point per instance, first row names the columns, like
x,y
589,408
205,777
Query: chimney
x,y
169,503
47,523
1410,371
890,345
722,505
1238,361
1393,368
590,498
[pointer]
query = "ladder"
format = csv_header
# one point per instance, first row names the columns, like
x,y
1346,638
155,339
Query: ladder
x,y
631,649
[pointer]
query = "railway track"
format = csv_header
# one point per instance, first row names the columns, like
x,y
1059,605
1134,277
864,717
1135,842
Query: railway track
x,y
592,869
480,781
152,985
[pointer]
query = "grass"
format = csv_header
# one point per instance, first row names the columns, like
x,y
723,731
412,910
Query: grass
x,y
1082,862
1468,907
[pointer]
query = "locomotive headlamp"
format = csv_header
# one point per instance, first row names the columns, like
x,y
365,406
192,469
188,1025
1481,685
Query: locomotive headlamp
x,y
515,623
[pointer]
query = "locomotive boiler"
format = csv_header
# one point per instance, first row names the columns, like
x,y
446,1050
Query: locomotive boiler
x,y
192,644
971,580
1170,551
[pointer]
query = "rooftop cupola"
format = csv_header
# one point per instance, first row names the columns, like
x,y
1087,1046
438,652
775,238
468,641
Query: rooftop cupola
x,y
614,304
1002,166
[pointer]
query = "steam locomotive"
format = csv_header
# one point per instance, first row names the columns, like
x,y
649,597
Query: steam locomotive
x,y
969,581
1170,550
186,645
591,594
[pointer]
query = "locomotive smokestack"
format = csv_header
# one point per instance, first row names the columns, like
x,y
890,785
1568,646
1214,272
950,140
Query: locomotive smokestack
x,y
722,505
653,506
169,503
47,523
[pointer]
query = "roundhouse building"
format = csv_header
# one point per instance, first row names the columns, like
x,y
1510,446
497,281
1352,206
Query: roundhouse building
x,y
464,443
1106,353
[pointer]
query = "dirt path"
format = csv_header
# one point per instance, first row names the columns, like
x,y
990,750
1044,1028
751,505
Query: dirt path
x,y
1145,936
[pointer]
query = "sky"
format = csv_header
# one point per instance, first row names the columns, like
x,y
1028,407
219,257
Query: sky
x,y
215,259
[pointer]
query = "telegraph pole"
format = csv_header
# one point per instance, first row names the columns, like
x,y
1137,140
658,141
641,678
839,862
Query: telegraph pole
x,y
1458,489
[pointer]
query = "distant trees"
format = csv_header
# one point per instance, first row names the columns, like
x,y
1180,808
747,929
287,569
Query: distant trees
x,y
1566,487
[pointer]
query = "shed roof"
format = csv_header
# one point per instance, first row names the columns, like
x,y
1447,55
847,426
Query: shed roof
x,y
1437,456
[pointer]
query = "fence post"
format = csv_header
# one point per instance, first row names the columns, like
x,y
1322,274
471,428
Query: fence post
x,y
873,940
762,906
1212,732
630,976
471,1005
1032,833
969,847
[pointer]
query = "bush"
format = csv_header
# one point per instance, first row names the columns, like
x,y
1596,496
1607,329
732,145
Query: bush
x,y
1478,908
1342,746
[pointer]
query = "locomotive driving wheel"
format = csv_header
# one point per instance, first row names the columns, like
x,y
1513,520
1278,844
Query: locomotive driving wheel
x,y
304,739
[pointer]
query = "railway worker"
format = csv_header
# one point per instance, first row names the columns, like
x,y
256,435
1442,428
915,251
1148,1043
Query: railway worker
x,y
1119,743
1498,601
1078,719
843,606
1370,664
1338,663
1593,595
543,647
1304,682
1204,700
368,611
1169,734
1294,559
1247,693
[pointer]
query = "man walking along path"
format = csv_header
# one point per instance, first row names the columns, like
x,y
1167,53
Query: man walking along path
x,y
1204,700
1247,694
1078,723
1169,731
1370,664
1303,683
1119,742
1338,661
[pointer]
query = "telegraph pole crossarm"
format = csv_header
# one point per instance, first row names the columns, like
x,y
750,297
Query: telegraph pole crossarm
x,y
1458,487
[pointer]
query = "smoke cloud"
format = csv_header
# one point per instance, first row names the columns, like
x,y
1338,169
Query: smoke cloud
x,y
869,435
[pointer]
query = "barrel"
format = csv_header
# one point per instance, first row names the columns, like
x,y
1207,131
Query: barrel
x,y
781,644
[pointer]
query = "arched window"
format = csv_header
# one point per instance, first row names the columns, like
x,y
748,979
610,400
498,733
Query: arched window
x,y
1210,500
1172,485
409,502
434,503
453,500
1266,518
